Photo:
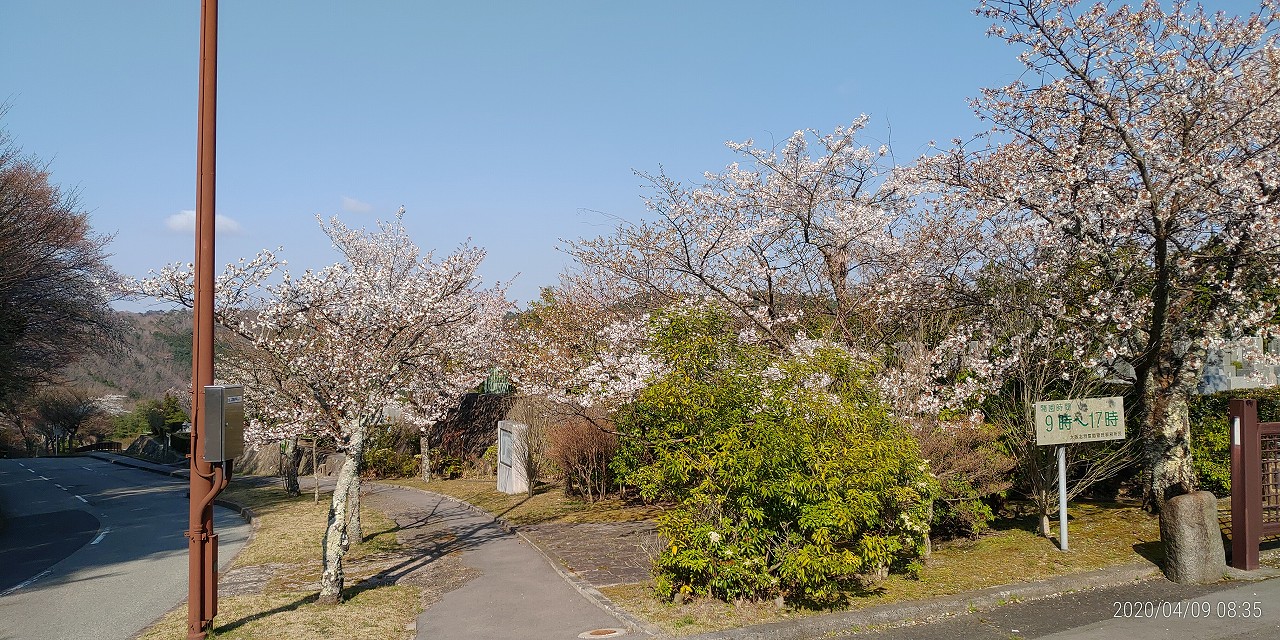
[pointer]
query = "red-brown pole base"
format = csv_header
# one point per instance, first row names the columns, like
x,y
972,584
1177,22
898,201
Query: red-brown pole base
x,y
197,546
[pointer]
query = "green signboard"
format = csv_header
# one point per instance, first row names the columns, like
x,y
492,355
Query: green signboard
x,y
1079,420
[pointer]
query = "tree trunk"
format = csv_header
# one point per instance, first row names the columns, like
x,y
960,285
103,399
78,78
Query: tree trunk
x,y
289,461
355,531
315,468
926,553
1168,445
334,544
424,443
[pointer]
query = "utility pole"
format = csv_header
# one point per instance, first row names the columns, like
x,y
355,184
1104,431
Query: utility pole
x,y
206,480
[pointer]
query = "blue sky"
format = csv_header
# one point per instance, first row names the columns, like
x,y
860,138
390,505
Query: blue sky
x,y
510,123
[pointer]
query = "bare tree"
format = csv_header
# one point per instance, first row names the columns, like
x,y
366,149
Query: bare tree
x,y
54,278
63,415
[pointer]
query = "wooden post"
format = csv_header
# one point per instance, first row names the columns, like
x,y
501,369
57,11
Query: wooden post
x,y
1246,484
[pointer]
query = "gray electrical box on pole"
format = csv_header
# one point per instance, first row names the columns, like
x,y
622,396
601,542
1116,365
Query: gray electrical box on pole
x,y
223,422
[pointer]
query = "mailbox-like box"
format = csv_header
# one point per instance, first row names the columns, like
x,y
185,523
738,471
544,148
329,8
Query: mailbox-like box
x,y
223,422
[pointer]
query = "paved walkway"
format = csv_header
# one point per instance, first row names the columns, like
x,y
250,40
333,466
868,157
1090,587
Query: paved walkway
x,y
601,553
512,591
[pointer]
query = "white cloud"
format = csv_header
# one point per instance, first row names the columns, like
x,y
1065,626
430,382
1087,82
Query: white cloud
x,y
355,206
185,222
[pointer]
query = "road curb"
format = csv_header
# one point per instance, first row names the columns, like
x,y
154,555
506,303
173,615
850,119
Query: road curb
x,y
841,624
244,512
583,587
913,612
153,467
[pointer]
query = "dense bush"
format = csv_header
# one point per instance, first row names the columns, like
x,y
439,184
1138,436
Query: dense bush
x,y
970,467
156,417
382,462
787,474
391,451
1210,439
582,451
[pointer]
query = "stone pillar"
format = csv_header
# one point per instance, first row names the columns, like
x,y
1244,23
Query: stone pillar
x,y
1194,553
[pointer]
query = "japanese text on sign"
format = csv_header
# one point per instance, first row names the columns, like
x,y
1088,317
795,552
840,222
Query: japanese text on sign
x,y
1079,420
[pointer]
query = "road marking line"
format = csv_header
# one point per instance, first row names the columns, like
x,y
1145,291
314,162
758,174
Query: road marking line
x,y
86,468
27,583
81,499
59,486
31,470
101,536
43,478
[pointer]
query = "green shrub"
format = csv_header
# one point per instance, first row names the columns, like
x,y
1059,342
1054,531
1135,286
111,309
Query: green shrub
x,y
391,451
445,465
968,518
383,462
489,461
971,467
787,474
1210,439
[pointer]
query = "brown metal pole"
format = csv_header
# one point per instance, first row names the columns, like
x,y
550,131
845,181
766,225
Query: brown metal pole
x,y
1242,413
201,579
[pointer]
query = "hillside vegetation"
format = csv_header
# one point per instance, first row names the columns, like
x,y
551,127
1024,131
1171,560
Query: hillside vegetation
x,y
154,356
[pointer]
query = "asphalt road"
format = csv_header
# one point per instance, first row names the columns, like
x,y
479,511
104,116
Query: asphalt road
x,y
1152,610
93,550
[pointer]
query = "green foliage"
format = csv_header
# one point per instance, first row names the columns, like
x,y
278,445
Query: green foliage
x,y
968,518
788,475
157,417
489,460
383,462
971,466
391,451
179,346
446,465
1210,434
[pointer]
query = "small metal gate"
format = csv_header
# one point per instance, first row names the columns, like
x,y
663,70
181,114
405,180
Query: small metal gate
x,y
1255,482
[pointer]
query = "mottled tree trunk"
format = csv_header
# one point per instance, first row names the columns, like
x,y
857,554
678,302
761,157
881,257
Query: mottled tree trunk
x,y
1168,444
355,530
425,444
289,461
335,540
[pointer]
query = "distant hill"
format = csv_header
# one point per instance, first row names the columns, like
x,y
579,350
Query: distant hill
x,y
155,356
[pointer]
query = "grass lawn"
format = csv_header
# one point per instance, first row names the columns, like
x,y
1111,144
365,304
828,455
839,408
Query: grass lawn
x,y
284,553
1102,534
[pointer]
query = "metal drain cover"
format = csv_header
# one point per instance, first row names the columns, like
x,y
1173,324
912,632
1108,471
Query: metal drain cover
x,y
602,633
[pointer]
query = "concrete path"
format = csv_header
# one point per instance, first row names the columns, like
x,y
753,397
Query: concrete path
x,y
514,592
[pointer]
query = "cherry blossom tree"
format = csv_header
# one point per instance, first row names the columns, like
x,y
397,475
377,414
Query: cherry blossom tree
x,y
582,346
1131,177
792,231
386,326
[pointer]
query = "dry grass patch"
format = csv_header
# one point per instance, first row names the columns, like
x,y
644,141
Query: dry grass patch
x,y
549,503
285,547
295,527
1102,534
376,614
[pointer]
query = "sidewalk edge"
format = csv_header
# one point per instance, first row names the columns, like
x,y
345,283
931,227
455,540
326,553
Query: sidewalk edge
x,y
581,586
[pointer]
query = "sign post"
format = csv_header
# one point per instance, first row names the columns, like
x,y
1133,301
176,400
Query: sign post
x,y
1063,422
1062,496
